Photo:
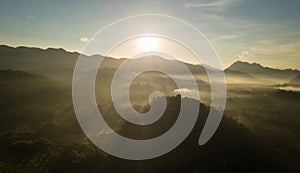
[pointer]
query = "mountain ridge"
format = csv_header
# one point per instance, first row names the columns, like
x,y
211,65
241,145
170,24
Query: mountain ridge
x,y
59,63
295,81
232,66
267,74
256,65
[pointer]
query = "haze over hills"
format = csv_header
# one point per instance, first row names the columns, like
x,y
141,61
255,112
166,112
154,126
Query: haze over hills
x,y
260,126
59,64
235,76
295,81
35,115
86,84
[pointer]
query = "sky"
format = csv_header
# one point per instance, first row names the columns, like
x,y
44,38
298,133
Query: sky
x,y
262,31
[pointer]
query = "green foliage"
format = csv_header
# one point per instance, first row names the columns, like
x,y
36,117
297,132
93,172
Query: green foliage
x,y
40,133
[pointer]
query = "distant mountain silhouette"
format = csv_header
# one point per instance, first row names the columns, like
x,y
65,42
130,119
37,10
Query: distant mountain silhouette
x,y
59,64
50,62
253,68
236,76
19,75
258,71
295,81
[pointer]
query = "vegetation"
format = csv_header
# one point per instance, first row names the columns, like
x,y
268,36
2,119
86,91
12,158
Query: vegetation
x,y
39,132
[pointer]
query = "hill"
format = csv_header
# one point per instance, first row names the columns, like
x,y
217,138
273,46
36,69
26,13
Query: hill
x,y
50,62
264,73
295,81
35,109
30,127
59,64
235,76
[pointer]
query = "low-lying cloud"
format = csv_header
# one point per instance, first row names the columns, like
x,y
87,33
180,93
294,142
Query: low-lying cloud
x,y
84,39
185,92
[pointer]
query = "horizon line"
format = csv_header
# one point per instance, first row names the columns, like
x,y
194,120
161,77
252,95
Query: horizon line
x,y
69,51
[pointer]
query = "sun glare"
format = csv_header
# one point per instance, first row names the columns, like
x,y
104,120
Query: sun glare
x,y
148,43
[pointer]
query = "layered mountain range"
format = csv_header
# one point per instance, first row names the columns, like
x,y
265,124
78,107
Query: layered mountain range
x,y
59,64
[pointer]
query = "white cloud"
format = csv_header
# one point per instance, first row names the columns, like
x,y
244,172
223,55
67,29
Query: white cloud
x,y
182,91
29,19
210,16
226,37
190,93
84,39
243,55
217,3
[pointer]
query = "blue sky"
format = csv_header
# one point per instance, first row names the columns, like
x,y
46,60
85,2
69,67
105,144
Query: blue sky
x,y
263,31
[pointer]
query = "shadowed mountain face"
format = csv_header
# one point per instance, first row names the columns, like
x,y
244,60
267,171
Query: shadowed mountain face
x,y
50,62
263,73
60,64
40,132
295,81
235,76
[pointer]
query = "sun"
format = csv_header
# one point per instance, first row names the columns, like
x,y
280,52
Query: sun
x,y
148,43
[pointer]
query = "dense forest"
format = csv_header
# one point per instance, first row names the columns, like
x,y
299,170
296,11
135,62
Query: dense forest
x,y
40,133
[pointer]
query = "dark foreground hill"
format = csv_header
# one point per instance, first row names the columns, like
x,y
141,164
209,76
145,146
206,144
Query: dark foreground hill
x,y
40,133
